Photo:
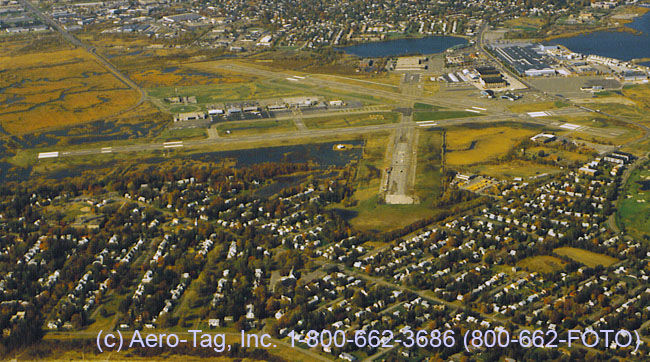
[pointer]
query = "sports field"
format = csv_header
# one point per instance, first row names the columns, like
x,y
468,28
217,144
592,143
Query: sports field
x,y
586,257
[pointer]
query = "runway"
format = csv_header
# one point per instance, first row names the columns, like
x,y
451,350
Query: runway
x,y
303,134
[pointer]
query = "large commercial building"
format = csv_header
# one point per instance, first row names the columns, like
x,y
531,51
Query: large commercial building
x,y
525,59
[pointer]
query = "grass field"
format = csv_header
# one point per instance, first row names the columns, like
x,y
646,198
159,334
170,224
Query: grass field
x,y
180,134
586,257
640,94
428,178
527,22
353,120
57,88
370,215
638,149
625,110
513,169
542,264
254,128
430,88
217,93
185,76
536,107
425,107
634,211
438,115
561,155
470,146
388,82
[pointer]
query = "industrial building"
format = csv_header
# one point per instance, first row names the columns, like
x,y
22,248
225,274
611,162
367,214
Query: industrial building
x,y
265,41
633,76
487,71
493,82
300,102
190,116
525,59
188,17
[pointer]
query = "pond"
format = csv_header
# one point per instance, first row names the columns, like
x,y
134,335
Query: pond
x,y
322,154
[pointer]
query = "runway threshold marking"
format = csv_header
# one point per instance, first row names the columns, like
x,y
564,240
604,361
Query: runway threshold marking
x,y
173,144
538,114
426,123
48,154
570,126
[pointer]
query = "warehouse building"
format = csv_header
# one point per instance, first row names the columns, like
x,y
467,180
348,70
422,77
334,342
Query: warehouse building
x,y
190,116
525,59
180,18
488,72
493,82
633,76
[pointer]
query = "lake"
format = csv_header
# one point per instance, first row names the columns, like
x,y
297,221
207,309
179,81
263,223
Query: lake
x,y
391,48
613,44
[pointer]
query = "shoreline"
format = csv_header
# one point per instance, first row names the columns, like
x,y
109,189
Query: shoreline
x,y
618,29
622,27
